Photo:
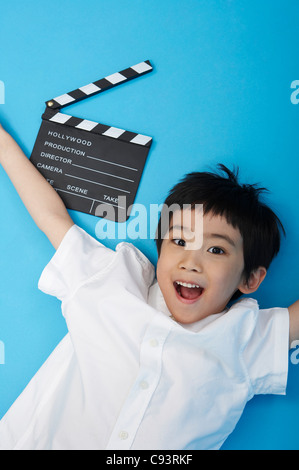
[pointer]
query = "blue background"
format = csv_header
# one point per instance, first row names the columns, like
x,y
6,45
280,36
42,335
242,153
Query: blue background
x,y
220,92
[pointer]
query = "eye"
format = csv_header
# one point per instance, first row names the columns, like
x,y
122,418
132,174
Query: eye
x,y
179,242
215,250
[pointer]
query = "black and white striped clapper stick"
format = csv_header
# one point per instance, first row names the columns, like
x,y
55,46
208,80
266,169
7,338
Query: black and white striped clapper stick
x,y
95,168
100,85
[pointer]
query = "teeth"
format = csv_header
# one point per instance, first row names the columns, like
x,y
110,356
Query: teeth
x,y
185,284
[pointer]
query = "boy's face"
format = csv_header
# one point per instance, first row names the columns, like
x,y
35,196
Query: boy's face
x,y
198,281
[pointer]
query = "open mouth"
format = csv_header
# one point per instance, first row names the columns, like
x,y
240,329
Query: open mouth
x,y
187,292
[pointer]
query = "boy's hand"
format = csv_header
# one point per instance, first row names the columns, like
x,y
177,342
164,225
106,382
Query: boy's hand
x,y
41,200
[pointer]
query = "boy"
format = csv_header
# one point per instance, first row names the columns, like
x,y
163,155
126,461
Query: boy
x,y
153,365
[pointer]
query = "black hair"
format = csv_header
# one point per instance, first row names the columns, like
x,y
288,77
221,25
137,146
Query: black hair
x,y
241,206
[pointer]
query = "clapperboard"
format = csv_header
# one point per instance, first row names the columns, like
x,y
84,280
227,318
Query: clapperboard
x,y
92,166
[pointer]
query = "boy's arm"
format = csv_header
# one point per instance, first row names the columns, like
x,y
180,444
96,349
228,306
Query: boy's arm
x,y
42,201
294,322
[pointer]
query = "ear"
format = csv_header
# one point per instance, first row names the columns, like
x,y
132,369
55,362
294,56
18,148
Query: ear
x,y
256,278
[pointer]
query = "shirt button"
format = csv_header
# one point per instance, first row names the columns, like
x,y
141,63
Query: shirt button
x,y
144,385
123,435
154,343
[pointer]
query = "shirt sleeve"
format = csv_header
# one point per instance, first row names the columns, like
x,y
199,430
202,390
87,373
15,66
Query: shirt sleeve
x,y
267,352
78,258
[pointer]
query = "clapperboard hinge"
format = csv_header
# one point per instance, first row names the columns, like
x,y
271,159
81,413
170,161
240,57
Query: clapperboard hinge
x,y
106,169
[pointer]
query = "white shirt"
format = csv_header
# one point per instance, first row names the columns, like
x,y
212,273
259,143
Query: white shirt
x,y
127,376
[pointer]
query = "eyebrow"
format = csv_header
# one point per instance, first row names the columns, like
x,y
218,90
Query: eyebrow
x,y
179,227
223,237
209,235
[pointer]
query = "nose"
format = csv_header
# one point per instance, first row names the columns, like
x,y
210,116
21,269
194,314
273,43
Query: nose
x,y
191,261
